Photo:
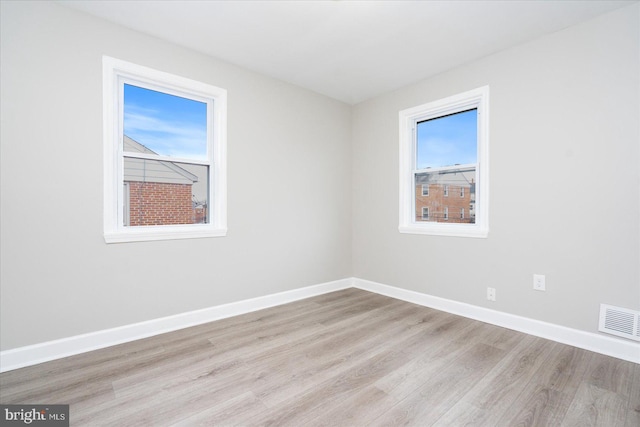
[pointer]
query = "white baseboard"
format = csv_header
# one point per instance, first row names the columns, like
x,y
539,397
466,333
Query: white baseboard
x,y
51,350
610,346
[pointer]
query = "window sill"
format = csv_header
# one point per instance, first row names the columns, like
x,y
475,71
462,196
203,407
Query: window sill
x,y
445,230
145,234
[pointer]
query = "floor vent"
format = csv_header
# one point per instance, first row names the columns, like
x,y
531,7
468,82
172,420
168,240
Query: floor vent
x,y
620,321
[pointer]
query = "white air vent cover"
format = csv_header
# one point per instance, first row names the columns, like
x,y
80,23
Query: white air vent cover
x,y
620,321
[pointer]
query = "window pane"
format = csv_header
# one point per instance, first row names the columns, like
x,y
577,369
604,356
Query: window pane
x,y
444,146
461,180
160,123
448,140
165,193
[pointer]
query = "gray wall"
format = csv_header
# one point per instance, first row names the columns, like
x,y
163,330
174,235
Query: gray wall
x,y
564,187
313,183
289,162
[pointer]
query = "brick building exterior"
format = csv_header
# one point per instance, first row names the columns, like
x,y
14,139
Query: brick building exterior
x,y
446,196
159,192
157,203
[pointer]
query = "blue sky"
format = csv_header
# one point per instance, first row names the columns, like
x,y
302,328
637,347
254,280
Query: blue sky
x,y
448,140
167,124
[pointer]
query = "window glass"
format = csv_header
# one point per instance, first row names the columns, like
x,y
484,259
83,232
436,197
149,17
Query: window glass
x,y
447,141
164,193
165,155
444,149
164,124
158,126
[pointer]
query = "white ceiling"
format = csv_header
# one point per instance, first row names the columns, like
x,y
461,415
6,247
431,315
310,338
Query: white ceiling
x,y
348,50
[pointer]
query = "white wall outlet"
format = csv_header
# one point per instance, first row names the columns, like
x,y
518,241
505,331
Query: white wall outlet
x,y
539,282
491,294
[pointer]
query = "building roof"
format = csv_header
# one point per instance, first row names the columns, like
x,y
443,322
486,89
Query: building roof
x,y
146,170
458,175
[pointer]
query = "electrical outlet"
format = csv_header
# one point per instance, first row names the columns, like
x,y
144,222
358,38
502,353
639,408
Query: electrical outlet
x,y
491,294
539,282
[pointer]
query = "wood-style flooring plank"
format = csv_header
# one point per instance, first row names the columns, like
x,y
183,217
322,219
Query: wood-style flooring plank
x,y
546,399
433,350
493,395
603,396
304,409
443,389
190,385
357,409
311,365
633,408
347,358
233,412
593,406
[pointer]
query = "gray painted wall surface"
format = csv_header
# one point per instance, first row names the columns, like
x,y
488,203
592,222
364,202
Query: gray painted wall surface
x,y
60,279
313,183
564,182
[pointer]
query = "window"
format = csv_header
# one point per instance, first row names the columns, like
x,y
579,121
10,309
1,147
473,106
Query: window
x,y
164,155
425,213
425,190
444,145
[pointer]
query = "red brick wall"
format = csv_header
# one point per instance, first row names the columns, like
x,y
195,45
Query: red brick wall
x,y
155,203
200,214
436,201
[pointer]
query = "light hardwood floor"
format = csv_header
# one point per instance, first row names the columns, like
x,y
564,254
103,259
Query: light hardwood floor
x,y
348,358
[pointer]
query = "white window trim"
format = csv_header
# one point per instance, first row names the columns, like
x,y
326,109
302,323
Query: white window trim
x,y
423,210
114,232
477,98
425,187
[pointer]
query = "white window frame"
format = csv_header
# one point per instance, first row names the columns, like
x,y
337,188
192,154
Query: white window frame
x,y
446,213
425,209
425,187
115,73
408,120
